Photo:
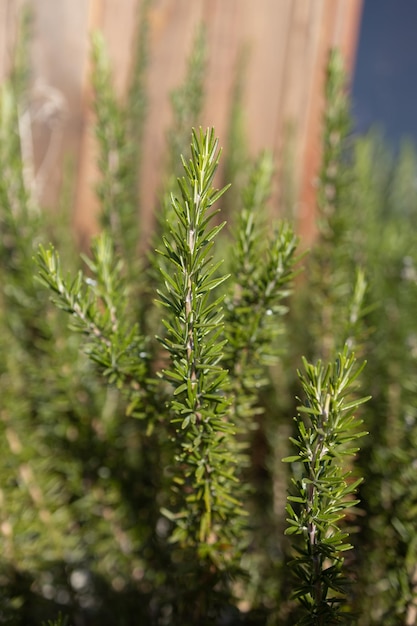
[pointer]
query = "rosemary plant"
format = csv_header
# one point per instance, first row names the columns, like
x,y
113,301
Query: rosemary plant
x,y
322,488
161,516
61,482
263,268
199,405
387,572
335,296
97,305
206,404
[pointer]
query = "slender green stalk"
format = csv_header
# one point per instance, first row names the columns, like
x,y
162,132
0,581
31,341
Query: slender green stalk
x,y
205,482
263,268
205,509
322,488
98,309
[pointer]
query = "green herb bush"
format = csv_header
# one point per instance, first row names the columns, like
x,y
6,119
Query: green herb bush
x,y
146,410
360,289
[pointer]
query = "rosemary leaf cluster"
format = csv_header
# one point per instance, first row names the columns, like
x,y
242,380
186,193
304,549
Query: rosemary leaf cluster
x,y
323,488
263,268
205,481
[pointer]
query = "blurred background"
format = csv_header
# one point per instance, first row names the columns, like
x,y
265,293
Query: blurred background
x,y
285,44
69,487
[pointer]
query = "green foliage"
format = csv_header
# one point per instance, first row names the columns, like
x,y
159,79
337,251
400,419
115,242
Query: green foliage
x,y
262,265
366,210
322,489
388,491
186,102
141,443
97,306
68,453
193,390
194,325
204,508
333,294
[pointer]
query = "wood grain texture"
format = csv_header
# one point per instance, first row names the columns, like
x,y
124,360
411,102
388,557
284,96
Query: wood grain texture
x,y
288,43
117,20
338,27
58,49
9,21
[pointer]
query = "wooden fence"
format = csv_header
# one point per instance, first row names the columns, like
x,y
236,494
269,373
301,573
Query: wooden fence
x,y
288,41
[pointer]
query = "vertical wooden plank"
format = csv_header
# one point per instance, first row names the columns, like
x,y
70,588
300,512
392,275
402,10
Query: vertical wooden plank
x,y
309,155
300,59
289,41
267,30
344,12
9,22
117,20
173,26
222,21
119,25
223,24
57,52
6,8
346,31
86,203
